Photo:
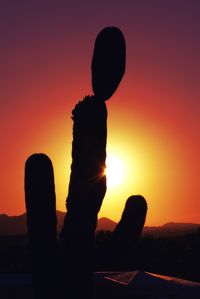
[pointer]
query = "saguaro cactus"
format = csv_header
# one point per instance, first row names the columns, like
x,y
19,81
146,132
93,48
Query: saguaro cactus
x,y
87,186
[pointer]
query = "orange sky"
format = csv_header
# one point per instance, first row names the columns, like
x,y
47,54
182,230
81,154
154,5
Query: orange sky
x,y
153,121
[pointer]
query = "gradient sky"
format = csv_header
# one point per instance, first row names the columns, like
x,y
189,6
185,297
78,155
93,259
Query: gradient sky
x,y
153,122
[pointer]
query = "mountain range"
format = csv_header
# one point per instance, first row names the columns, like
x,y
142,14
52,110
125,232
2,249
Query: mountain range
x,y
16,225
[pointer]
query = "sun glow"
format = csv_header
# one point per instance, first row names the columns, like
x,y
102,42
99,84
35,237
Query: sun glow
x,y
114,171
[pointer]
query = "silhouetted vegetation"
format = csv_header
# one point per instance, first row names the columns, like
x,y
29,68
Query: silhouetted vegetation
x,y
41,223
14,256
87,186
174,256
108,62
118,247
55,263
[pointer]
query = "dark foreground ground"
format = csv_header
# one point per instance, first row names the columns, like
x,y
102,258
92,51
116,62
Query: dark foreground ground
x,y
111,285
173,256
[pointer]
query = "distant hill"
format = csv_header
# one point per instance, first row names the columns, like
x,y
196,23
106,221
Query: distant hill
x,y
16,225
171,229
105,224
13,225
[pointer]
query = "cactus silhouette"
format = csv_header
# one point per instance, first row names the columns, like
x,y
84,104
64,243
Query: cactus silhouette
x,y
130,227
87,188
117,250
41,222
86,191
108,62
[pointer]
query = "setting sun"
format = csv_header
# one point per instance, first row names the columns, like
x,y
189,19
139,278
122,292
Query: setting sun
x,y
114,171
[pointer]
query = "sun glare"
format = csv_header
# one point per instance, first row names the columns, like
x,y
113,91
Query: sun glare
x,y
114,171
